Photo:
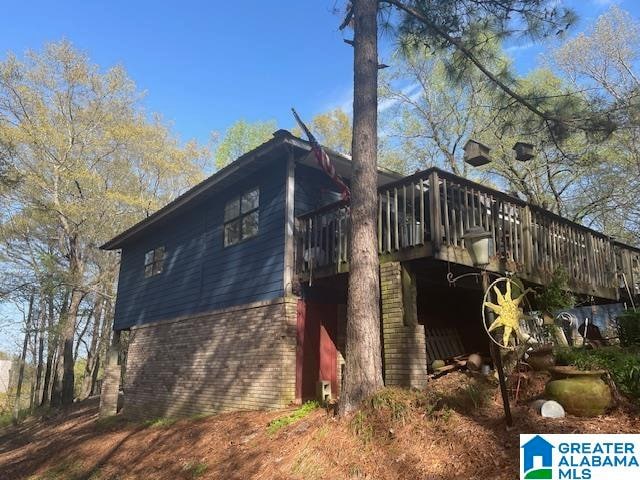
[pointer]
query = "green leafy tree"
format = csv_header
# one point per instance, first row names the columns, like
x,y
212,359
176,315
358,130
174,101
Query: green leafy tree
x,y
429,116
89,164
332,129
240,138
602,64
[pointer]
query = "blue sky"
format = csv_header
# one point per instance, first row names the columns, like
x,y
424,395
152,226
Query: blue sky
x,y
205,66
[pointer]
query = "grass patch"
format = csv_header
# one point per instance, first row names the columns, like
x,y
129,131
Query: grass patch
x,y
200,416
628,326
6,418
362,426
68,470
391,406
110,422
401,402
478,395
195,469
297,414
396,401
386,408
465,394
160,422
445,413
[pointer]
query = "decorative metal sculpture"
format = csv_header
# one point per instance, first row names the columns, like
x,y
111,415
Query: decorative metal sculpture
x,y
508,312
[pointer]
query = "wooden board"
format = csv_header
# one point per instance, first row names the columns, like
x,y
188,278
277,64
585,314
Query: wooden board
x,y
443,343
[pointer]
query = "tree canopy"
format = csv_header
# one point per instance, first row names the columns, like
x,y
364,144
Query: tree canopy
x,y
82,161
240,138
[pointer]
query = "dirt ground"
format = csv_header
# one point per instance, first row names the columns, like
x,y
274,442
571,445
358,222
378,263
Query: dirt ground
x,y
455,431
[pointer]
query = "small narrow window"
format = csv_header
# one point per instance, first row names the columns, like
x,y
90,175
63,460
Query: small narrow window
x,y
241,217
154,262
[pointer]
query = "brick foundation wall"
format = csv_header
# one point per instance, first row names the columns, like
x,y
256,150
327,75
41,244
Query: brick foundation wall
x,y
236,358
405,354
111,381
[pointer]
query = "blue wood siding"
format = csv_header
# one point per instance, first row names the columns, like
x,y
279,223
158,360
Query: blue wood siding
x,y
199,273
313,189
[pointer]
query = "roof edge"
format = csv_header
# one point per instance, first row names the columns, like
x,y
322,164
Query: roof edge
x,y
280,137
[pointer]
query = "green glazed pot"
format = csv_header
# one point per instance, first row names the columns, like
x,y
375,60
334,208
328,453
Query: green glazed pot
x,y
581,392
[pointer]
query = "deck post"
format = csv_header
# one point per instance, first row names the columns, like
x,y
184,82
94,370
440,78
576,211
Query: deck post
x,y
613,275
405,353
434,207
527,239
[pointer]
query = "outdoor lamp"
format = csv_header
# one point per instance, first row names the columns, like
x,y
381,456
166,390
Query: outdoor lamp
x,y
476,239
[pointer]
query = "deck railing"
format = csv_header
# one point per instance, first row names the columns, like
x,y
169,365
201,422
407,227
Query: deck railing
x,y
434,209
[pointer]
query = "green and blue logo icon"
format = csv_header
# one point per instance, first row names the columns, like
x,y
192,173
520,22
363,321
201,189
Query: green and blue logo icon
x,y
580,456
537,459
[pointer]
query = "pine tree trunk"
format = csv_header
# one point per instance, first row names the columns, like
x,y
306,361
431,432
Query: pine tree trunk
x,y
363,370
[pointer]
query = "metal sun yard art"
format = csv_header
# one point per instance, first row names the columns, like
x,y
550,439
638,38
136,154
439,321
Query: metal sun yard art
x,y
508,313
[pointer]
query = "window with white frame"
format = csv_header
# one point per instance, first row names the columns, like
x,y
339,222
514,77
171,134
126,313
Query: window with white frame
x,y
241,217
154,262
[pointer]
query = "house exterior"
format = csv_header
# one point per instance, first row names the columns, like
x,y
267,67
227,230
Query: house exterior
x,y
235,292
206,283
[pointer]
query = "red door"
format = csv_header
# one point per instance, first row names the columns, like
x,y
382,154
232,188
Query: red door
x,y
316,356
328,350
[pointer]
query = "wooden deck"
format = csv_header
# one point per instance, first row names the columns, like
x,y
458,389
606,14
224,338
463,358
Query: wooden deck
x,y
426,215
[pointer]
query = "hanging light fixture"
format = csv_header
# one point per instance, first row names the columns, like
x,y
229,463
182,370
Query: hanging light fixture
x,y
477,241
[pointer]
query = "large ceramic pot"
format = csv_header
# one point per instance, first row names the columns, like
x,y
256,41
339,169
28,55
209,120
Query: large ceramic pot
x,y
580,392
541,358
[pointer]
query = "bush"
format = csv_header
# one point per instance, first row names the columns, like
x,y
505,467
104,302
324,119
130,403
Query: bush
x,y
556,295
623,364
628,324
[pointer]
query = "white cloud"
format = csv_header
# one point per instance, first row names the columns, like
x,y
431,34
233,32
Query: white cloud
x,y
344,101
519,48
412,91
